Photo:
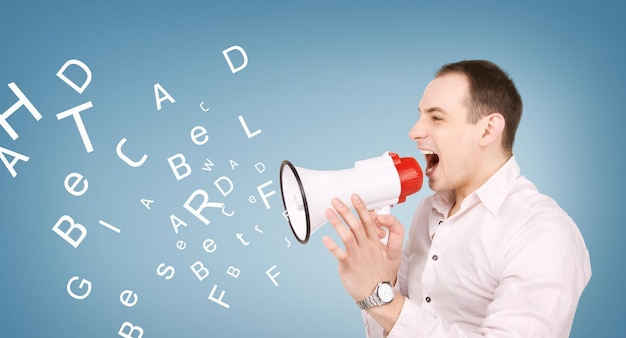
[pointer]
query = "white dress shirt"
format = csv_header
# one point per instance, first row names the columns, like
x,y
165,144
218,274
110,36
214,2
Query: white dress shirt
x,y
509,263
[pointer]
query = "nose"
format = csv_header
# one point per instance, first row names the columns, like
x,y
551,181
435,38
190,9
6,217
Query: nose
x,y
418,132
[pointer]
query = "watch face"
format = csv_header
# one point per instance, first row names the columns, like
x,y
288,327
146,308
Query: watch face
x,y
385,292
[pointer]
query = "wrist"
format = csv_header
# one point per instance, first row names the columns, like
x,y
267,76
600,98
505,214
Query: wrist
x,y
387,316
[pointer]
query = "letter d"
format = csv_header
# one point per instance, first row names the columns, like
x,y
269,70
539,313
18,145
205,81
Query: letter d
x,y
230,63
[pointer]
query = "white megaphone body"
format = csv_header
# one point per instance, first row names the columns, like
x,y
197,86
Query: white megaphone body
x,y
380,182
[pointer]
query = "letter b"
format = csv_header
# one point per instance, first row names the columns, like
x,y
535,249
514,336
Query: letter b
x,y
176,167
199,270
66,235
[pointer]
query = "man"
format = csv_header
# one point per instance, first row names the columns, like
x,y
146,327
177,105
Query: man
x,y
487,254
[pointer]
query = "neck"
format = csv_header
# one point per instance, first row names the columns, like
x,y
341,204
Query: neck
x,y
483,172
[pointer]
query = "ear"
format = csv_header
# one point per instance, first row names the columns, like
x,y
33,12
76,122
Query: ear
x,y
493,129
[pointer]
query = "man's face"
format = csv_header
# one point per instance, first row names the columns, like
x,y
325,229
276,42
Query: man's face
x,y
450,145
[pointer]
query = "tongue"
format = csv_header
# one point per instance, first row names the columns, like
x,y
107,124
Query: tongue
x,y
433,161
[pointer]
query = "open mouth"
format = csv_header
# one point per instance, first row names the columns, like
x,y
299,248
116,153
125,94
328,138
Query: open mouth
x,y
432,160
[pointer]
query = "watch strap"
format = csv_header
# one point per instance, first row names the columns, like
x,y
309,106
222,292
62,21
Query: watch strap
x,y
372,300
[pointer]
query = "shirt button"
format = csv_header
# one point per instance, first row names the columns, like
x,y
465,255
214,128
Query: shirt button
x,y
435,257
427,299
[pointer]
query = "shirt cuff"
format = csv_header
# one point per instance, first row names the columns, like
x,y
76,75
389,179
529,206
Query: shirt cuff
x,y
412,322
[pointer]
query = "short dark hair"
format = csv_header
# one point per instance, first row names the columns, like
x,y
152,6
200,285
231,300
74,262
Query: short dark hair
x,y
491,90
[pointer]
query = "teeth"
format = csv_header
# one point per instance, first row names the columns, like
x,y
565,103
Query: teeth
x,y
427,152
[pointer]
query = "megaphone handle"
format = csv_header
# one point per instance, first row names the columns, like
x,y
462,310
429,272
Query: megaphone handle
x,y
384,211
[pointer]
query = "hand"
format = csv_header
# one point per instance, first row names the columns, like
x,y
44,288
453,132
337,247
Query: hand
x,y
365,260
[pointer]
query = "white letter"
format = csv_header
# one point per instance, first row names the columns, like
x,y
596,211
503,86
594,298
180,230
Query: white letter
x,y
272,277
22,101
208,165
166,96
176,222
227,214
198,212
260,167
230,183
233,164
125,158
199,270
243,241
75,112
73,226
132,328
209,245
16,157
83,283
218,300
174,167
71,83
125,297
146,203
233,271
230,63
264,197
245,128
79,179
162,272
198,132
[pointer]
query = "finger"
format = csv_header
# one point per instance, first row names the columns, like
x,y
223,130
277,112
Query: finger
x,y
396,229
381,233
346,235
368,222
351,220
334,248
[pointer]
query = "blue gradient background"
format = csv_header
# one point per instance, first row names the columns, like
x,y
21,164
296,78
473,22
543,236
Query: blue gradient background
x,y
328,83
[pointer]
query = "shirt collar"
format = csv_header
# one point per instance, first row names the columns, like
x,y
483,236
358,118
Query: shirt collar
x,y
492,193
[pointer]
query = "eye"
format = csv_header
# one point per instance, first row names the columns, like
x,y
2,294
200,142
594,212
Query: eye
x,y
436,118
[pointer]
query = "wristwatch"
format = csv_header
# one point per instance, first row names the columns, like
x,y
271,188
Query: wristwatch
x,y
382,294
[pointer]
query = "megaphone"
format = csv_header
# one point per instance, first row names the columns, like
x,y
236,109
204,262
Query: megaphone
x,y
380,182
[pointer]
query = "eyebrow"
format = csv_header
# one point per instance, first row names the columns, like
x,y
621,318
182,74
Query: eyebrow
x,y
433,110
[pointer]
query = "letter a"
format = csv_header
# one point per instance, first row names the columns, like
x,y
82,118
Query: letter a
x,y
166,96
230,63
16,157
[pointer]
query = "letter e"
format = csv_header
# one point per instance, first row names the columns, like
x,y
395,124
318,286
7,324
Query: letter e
x,y
126,296
78,179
